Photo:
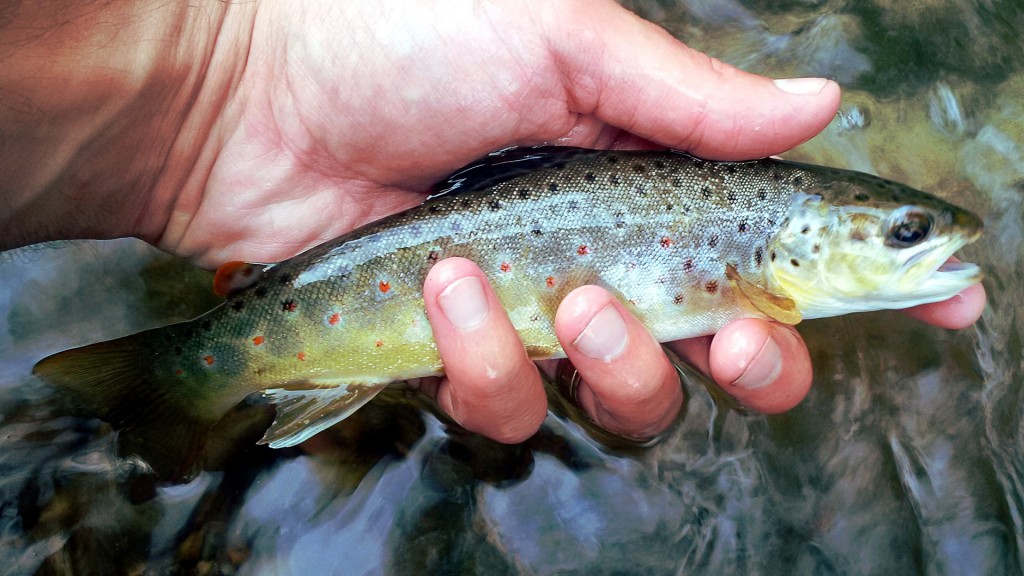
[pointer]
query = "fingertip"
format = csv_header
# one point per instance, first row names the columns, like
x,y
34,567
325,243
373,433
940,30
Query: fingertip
x,y
960,311
491,386
763,365
628,386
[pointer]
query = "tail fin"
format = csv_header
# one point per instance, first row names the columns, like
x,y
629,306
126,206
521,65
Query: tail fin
x,y
114,381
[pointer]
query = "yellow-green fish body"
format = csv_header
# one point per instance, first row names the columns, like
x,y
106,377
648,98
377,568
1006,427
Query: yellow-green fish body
x,y
687,245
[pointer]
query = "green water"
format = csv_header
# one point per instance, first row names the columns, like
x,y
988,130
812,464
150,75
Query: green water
x,y
907,457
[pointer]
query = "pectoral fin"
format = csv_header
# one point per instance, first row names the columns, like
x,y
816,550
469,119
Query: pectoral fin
x,y
305,410
774,306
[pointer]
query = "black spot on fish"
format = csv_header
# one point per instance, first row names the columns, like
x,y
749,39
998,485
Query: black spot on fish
x,y
689,266
659,164
758,256
614,180
742,227
494,205
816,248
178,351
730,169
536,231
713,241
639,168
678,298
433,257
762,194
669,207
798,181
589,177
730,196
524,192
706,192
773,256
677,182
559,166
237,305
573,205
776,175
206,325
288,305
857,235
612,159
711,287
861,197
434,209
553,186
284,278
260,291
794,262
805,229
464,203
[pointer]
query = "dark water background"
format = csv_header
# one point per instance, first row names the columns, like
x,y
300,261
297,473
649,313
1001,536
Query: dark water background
x,y
908,456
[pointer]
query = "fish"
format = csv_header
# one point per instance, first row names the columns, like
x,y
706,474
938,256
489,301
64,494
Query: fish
x,y
687,245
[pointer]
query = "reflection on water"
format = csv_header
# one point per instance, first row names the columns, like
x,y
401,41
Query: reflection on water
x,y
907,457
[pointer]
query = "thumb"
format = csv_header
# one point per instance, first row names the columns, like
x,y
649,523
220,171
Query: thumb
x,y
642,80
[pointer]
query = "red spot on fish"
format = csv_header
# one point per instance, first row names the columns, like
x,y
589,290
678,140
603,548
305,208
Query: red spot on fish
x,y
380,343
179,372
289,305
234,276
583,250
209,360
258,340
334,319
711,287
550,281
666,242
505,266
384,286
679,298
301,356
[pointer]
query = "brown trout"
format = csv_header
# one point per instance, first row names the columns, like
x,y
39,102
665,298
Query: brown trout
x,y
686,244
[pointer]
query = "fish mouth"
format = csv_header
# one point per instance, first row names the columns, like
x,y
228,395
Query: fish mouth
x,y
951,275
953,271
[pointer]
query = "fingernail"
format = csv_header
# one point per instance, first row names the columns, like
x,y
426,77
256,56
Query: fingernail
x,y
763,369
464,303
801,86
605,337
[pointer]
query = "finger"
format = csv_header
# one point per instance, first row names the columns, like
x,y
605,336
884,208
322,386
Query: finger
x,y
628,384
644,81
491,386
958,312
763,365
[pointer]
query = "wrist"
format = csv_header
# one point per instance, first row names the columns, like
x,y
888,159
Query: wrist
x,y
106,106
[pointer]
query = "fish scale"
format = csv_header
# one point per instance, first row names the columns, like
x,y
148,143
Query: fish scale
x,y
687,245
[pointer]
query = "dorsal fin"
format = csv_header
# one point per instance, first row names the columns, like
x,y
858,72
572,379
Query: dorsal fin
x,y
235,276
505,165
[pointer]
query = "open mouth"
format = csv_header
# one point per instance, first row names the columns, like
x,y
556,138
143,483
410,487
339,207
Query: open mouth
x,y
954,275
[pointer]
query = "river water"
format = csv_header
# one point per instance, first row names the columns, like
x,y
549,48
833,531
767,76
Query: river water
x,y
907,457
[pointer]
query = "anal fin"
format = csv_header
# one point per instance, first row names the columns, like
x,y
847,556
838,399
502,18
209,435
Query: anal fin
x,y
303,411
774,306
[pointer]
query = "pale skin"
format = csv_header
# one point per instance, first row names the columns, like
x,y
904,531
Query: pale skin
x,y
254,131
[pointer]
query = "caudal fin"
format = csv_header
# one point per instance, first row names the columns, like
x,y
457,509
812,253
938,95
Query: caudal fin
x,y
114,381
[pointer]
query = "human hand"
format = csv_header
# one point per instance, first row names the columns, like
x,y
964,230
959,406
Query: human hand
x,y
315,117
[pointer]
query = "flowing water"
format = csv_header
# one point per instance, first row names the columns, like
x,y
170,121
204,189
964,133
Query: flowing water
x,y
907,457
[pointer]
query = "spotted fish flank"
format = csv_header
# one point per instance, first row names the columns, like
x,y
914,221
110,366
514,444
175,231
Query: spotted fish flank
x,y
688,245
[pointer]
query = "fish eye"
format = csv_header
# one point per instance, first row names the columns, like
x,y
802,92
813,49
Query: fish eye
x,y
908,228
